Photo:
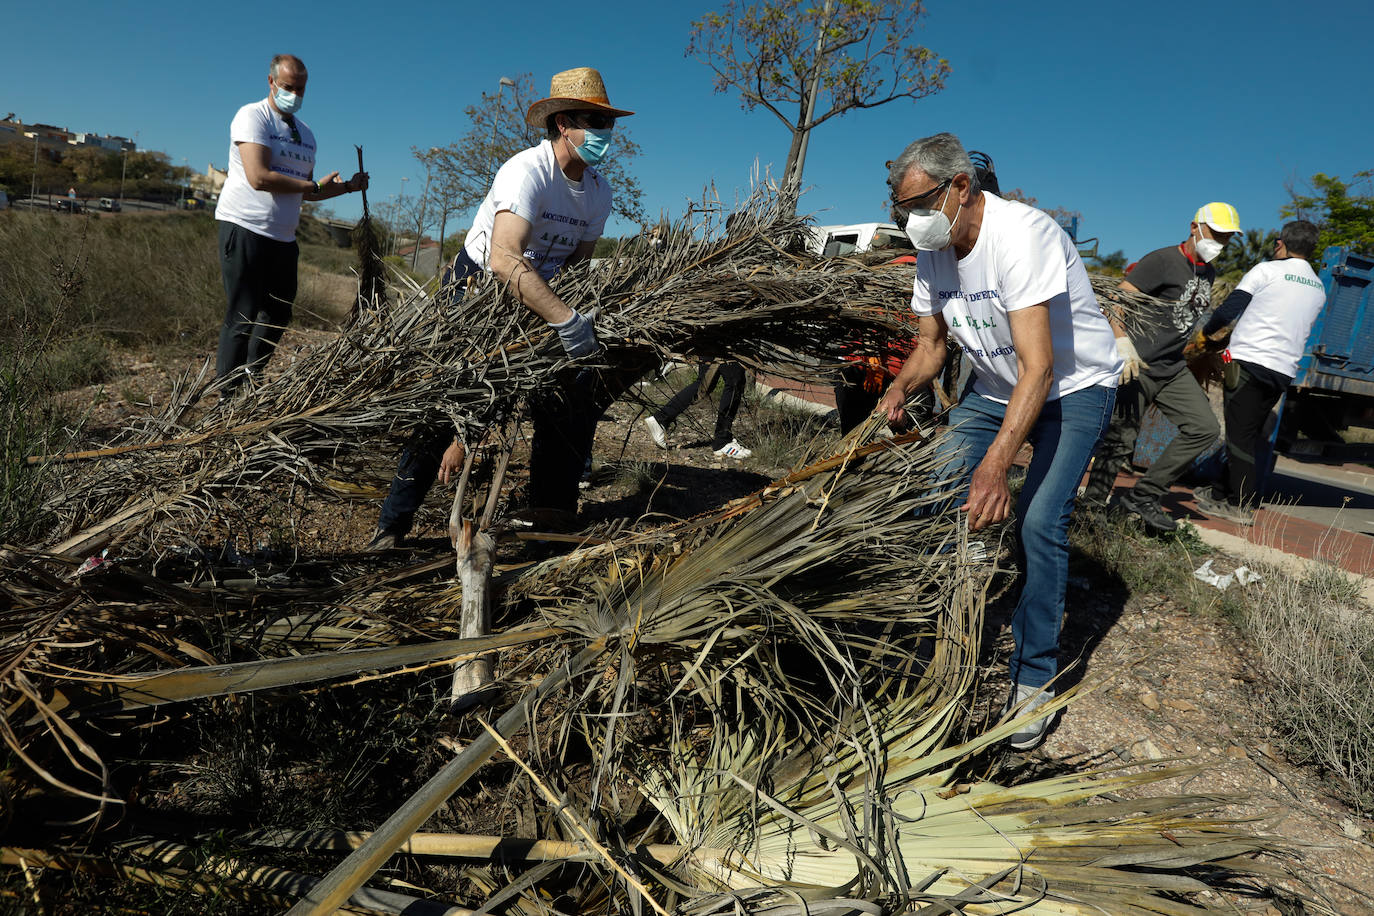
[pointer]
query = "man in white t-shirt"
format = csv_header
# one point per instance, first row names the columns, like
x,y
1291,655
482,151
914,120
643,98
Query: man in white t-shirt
x,y
1276,303
271,170
1006,282
546,209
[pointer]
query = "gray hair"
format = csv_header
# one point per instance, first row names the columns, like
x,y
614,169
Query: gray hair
x,y
941,157
277,62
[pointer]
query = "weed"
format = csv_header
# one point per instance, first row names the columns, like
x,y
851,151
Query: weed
x,y
1316,644
776,429
639,476
25,429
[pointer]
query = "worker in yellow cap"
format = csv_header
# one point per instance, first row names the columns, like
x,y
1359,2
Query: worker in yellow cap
x,y
1155,372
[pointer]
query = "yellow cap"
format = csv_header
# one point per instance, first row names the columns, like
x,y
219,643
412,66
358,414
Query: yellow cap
x,y
1221,217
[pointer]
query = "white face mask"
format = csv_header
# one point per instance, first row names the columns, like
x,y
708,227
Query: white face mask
x,y
1207,249
931,230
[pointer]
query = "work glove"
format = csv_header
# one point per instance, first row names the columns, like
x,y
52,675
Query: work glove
x,y
1133,363
577,336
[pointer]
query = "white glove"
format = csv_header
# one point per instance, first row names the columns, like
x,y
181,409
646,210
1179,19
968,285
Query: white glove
x,y
1133,363
577,336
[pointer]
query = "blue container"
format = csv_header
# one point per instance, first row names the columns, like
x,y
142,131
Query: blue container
x,y
1340,350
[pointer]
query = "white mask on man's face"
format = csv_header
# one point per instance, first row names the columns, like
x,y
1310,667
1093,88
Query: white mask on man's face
x,y
931,230
1207,249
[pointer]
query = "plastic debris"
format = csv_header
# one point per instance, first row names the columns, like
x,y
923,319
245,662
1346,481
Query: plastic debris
x,y
1243,574
91,563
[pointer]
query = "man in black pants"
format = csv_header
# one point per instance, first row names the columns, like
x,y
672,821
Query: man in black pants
x,y
724,443
1276,303
271,170
545,211
1156,372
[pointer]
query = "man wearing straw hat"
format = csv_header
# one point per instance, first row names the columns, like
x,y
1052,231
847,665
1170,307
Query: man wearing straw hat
x,y
546,210
1156,371
271,170
1006,282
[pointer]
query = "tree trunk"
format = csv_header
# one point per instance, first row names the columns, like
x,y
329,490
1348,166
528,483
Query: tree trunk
x,y
792,172
476,556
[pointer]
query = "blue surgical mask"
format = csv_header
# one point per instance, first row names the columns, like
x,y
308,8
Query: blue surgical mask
x,y
288,103
594,145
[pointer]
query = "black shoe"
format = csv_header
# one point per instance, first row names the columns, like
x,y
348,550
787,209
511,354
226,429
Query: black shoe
x,y
1152,515
383,540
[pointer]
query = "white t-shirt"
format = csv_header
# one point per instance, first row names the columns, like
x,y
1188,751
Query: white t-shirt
x,y
274,215
1285,298
1022,258
562,213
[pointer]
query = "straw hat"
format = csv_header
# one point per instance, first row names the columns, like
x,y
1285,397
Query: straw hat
x,y
578,89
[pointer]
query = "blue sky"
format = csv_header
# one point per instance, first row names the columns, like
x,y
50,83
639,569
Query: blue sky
x,y
1134,115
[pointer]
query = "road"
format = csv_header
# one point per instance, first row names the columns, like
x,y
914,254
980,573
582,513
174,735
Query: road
x,y
1335,496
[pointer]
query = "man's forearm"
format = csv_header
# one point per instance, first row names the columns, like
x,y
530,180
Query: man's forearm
x,y
531,289
277,183
920,368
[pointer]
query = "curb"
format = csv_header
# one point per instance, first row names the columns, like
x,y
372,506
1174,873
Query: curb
x,y
771,395
1289,562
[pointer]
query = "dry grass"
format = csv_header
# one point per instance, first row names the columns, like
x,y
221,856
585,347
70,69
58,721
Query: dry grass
x,y
1316,642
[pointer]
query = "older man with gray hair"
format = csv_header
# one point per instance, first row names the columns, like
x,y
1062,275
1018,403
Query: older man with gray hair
x,y
1007,282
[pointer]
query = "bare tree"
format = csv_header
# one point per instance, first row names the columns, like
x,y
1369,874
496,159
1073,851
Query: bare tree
x,y
807,63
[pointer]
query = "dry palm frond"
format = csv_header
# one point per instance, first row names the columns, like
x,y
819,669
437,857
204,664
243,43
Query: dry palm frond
x,y
372,293
472,364
804,611
881,816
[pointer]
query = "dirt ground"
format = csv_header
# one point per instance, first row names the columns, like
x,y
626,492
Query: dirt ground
x,y
1160,682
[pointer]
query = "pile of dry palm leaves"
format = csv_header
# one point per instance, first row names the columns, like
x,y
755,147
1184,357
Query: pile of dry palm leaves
x,y
764,709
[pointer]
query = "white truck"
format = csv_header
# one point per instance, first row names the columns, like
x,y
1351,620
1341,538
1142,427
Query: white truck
x,y
856,238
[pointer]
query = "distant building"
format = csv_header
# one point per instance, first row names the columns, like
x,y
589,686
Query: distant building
x,y
49,132
51,141
106,142
211,183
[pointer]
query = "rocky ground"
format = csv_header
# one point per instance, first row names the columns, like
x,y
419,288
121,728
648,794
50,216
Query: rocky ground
x,y
1161,681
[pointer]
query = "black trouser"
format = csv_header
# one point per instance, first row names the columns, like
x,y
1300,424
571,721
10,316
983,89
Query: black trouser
x,y
260,284
564,418
1251,392
1181,399
730,397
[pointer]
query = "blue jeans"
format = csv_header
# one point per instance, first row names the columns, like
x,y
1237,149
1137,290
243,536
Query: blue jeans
x,y
1063,439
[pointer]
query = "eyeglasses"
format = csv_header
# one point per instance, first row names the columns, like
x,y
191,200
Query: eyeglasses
x,y
596,120
295,133
901,209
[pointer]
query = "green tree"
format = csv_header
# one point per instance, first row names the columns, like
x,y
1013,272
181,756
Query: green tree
x,y
1244,252
1343,212
462,172
1114,263
807,62
91,164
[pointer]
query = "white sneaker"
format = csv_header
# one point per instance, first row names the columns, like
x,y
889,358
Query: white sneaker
x,y
1029,699
733,449
656,432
